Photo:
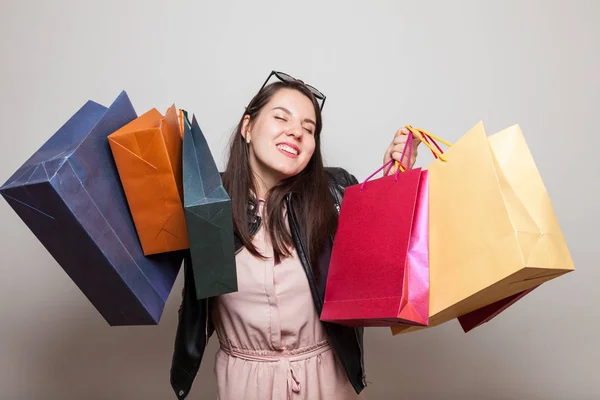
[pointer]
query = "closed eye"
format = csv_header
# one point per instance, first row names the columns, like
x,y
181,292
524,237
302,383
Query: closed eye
x,y
280,118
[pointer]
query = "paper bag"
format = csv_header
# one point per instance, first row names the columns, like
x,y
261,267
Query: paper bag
x,y
208,216
147,152
492,230
378,272
485,314
68,193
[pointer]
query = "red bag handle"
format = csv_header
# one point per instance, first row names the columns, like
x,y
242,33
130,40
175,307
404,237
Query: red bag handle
x,y
409,145
427,138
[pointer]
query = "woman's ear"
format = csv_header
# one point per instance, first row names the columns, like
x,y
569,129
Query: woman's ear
x,y
245,131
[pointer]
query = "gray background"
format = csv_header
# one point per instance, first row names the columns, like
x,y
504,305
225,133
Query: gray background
x,y
439,65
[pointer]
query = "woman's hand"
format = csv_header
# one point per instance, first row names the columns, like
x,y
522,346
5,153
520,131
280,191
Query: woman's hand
x,y
397,146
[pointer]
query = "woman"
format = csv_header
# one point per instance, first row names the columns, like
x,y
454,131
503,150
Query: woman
x,y
285,207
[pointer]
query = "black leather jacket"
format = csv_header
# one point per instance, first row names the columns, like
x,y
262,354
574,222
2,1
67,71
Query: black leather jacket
x,y
195,323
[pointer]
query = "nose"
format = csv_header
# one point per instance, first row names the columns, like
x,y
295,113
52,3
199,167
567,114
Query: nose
x,y
296,130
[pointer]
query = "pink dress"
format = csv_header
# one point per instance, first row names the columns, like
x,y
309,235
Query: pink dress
x,y
273,346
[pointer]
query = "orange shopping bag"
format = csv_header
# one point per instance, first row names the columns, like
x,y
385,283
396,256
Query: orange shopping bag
x,y
147,152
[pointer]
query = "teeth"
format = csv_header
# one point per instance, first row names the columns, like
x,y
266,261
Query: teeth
x,y
288,149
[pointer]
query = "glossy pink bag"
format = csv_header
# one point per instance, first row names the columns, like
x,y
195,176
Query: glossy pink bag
x,y
379,268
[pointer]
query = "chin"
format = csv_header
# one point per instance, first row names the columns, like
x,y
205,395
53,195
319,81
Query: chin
x,y
286,173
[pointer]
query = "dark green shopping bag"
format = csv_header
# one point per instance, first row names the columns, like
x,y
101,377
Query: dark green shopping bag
x,y
208,216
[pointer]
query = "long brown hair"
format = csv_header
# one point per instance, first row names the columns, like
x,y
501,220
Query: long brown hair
x,y
313,204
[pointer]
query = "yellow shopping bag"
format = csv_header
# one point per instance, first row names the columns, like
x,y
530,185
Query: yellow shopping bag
x,y
492,229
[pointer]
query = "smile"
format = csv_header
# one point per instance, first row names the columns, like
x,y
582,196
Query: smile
x,y
287,149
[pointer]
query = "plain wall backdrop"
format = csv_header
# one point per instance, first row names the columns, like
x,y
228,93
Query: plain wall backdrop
x,y
440,65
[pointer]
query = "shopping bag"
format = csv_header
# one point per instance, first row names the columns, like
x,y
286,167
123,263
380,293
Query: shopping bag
x,y
208,216
493,232
378,272
68,193
485,314
147,152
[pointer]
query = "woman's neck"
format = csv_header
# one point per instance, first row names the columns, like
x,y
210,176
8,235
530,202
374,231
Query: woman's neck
x,y
262,186
264,180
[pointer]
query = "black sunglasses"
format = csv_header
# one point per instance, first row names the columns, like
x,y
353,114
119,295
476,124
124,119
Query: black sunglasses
x,y
282,76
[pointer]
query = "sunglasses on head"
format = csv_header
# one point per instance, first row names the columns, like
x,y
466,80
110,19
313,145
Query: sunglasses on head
x,y
282,76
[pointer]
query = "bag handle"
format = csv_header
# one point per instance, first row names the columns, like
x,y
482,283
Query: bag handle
x,y
426,138
409,145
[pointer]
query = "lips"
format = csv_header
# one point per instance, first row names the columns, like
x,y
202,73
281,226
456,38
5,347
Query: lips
x,y
289,148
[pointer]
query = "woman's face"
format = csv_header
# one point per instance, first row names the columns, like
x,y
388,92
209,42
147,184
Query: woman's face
x,y
282,137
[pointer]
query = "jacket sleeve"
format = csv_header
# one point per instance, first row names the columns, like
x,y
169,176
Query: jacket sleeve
x,y
341,176
339,180
351,179
193,331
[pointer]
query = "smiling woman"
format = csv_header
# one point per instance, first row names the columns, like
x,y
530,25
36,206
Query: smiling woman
x,y
284,204
287,125
282,116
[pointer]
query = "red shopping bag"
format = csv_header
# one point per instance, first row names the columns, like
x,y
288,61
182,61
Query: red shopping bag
x,y
485,314
379,271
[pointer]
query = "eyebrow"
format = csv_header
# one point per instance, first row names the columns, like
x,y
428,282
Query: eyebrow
x,y
285,110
